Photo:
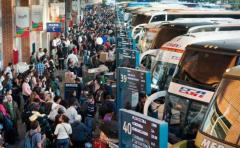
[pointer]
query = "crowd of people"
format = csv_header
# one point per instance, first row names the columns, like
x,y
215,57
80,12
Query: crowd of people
x,y
35,97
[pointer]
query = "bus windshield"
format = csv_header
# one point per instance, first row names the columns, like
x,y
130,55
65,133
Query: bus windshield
x,y
184,117
166,33
147,39
162,75
164,68
199,68
222,121
141,19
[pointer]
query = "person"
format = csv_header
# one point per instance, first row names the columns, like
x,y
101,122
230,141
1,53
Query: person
x,y
62,131
80,133
8,70
37,139
60,58
72,57
26,90
140,105
40,67
91,110
40,54
12,109
71,111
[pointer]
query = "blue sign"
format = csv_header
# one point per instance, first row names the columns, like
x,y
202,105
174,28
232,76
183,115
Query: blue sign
x,y
54,27
127,58
70,89
130,82
140,131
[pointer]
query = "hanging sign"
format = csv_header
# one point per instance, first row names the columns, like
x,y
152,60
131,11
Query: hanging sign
x,y
37,18
22,21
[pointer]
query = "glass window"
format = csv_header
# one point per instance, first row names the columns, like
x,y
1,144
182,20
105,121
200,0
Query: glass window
x,y
184,117
223,119
167,33
141,19
147,61
158,18
162,75
229,28
200,67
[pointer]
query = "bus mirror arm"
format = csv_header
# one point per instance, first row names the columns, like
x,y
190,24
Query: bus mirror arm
x,y
151,98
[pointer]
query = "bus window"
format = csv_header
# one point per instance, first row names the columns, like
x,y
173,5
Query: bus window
x,y
158,18
194,70
229,28
223,119
206,29
141,19
162,75
184,117
147,61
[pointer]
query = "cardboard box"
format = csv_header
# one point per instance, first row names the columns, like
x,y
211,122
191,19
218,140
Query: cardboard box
x,y
69,77
103,57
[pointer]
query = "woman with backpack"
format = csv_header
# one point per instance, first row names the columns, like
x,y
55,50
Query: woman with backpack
x,y
34,138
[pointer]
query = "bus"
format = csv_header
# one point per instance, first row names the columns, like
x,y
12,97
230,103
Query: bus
x,y
154,36
220,126
194,82
141,19
149,57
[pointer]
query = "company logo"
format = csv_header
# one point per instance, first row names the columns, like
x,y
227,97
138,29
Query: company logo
x,y
192,92
22,16
175,58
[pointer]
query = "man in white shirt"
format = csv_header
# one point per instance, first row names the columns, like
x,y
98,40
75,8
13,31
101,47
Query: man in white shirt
x,y
56,41
8,70
40,54
71,112
73,58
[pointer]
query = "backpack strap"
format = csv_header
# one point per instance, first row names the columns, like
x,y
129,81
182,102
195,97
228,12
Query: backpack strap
x,y
65,129
31,138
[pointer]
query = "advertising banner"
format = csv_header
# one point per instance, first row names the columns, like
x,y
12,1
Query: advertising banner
x,y
57,12
37,18
22,21
139,131
130,82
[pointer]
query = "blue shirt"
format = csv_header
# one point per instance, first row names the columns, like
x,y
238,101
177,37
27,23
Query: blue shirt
x,y
40,67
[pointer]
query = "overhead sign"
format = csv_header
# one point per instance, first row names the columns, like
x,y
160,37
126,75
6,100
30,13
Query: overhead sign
x,y
22,21
54,27
190,92
140,131
127,58
37,18
130,82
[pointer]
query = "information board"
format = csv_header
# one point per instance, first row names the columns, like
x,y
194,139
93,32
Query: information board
x,y
124,42
70,89
54,27
130,82
139,131
127,58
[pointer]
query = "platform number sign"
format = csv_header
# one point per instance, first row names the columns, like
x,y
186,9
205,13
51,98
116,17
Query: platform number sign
x,y
137,130
130,82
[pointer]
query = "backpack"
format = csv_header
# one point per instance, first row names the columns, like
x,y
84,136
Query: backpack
x,y
28,140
